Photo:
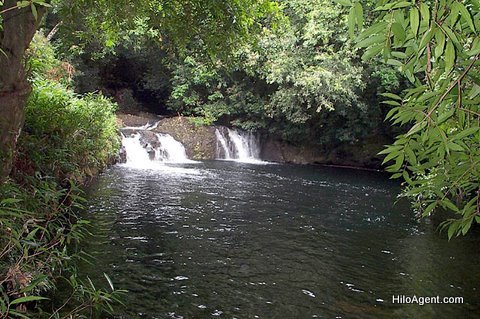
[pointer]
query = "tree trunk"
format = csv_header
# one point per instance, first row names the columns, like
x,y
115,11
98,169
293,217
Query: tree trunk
x,y
19,26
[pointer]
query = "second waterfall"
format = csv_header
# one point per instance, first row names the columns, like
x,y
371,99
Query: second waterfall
x,y
237,145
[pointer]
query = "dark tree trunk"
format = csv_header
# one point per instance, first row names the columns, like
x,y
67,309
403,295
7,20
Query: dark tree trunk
x,y
19,26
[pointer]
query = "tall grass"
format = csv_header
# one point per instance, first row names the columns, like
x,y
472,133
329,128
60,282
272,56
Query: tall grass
x,y
67,138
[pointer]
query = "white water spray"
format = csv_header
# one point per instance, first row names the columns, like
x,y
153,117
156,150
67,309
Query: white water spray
x,y
170,150
237,145
140,154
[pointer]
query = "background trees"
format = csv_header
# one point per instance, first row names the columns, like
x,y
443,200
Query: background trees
x,y
301,81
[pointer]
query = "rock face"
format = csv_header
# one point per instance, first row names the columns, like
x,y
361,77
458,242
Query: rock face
x,y
201,143
355,155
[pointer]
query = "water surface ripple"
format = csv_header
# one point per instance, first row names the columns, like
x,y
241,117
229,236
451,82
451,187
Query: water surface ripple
x,y
232,240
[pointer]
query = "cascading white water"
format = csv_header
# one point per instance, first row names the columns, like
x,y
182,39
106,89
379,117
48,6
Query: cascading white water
x,y
137,155
237,145
143,155
170,150
222,140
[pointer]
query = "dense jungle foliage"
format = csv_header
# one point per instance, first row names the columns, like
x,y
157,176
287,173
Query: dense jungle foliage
x,y
301,81
52,140
67,138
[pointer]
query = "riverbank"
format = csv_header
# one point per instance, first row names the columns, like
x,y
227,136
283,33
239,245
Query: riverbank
x,y
66,140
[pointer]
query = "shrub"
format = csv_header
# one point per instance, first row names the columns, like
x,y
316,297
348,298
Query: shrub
x,y
66,138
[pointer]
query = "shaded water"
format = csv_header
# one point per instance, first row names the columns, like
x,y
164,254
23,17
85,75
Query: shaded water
x,y
232,240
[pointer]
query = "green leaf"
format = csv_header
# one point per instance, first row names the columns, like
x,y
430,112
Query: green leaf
x,y
429,208
8,201
451,231
416,128
440,43
462,134
445,116
380,38
399,55
34,11
398,163
427,36
454,13
391,156
454,147
27,299
448,204
449,56
402,4
398,32
42,3
474,48
23,4
390,102
392,96
34,284
465,15
351,23
391,113
359,14
466,227
412,159
371,52
414,20
406,177
395,176
425,13
451,35
374,29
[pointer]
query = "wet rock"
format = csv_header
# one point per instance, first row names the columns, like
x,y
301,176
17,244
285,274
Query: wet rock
x,y
122,155
199,140
201,144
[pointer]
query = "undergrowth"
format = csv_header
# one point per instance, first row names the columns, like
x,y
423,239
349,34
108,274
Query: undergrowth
x,y
67,139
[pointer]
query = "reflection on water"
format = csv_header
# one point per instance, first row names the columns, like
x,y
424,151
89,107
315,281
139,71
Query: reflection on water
x,y
231,240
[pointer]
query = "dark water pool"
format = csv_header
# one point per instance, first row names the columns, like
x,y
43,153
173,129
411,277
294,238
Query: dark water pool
x,y
230,240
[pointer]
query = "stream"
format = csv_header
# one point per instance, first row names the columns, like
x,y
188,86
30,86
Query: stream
x,y
223,239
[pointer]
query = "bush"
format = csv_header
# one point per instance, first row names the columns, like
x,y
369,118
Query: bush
x,y
66,138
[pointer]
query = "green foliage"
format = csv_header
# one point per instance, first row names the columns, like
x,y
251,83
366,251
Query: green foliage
x,y
300,81
38,235
436,46
66,138
65,135
218,25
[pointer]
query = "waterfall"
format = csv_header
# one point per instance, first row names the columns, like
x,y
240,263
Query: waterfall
x,y
137,155
170,150
159,149
237,145
224,146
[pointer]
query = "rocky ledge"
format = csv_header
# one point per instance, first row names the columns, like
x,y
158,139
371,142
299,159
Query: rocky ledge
x,y
201,144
